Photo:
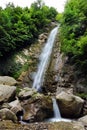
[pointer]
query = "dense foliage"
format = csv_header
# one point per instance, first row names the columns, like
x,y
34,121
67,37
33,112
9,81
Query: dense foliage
x,y
19,26
74,32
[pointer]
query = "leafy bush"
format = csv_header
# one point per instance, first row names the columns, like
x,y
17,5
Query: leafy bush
x,y
73,32
20,26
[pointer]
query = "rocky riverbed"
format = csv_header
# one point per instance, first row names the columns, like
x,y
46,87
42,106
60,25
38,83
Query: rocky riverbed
x,y
8,125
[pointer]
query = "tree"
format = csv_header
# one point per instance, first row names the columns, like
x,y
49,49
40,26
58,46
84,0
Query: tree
x,y
74,30
20,26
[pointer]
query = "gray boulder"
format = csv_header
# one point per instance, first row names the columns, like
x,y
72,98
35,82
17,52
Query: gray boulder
x,y
7,93
37,108
15,106
70,105
76,126
83,120
6,114
6,80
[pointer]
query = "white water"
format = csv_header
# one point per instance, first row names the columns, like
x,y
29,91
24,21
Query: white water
x,y
44,60
39,78
56,109
57,116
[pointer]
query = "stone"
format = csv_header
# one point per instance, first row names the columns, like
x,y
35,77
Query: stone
x,y
37,108
70,105
5,105
9,125
77,126
26,93
60,89
42,38
7,93
6,80
15,106
6,114
83,120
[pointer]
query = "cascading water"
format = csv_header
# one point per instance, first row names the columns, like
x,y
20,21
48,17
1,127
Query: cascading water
x,y
44,60
57,116
39,78
56,109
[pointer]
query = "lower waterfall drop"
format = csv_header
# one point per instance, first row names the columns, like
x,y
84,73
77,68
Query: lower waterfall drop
x,y
56,110
57,116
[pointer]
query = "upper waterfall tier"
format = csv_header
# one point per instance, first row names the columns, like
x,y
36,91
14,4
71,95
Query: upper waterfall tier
x,y
44,59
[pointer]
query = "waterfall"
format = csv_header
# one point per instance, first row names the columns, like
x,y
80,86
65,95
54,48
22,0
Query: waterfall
x,y
56,109
57,116
39,77
44,60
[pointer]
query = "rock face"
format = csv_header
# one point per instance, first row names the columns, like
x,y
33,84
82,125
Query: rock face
x,y
7,93
80,86
37,108
6,80
6,114
42,38
70,105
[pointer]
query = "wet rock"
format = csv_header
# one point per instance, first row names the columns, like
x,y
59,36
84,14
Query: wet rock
x,y
54,24
69,104
26,93
6,114
37,108
42,38
6,80
7,93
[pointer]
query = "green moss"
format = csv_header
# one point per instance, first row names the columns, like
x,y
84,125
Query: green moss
x,y
82,95
18,89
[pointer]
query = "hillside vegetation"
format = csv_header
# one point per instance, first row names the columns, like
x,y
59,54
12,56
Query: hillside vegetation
x,y
73,33
21,26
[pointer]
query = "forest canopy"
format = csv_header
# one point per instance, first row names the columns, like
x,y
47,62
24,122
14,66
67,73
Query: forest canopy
x,y
74,32
20,26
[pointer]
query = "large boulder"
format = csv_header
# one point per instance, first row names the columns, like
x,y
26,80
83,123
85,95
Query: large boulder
x,y
70,105
7,93
6,114
6,80
37,108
